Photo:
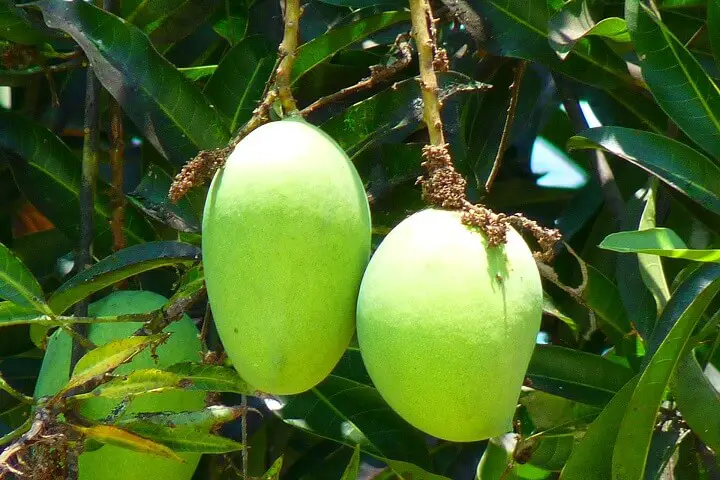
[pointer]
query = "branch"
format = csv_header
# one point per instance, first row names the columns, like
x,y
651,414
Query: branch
x,y
288,49
87,198
505,138
378,74
600,167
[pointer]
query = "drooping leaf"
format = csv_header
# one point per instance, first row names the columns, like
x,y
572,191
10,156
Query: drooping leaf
x,y
48,173
576,375
667,345
678,82
172,113
183,439
651,267
123,264
322,48
122,438
591,459
698,401
679,166
106,358
657,241
212,377
200,420
237,85
17,283
574,22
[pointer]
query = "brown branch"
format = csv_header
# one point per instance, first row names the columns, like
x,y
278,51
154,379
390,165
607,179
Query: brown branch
x,y
117,197
378,74
509,120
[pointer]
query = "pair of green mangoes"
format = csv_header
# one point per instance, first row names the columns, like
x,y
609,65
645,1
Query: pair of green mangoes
x,y
446,326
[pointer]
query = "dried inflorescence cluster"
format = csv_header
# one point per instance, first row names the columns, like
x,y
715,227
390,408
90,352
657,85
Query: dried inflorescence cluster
x,y
198,171
444,187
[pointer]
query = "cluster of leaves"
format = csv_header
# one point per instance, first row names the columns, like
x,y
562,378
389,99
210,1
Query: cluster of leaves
x,y
625,387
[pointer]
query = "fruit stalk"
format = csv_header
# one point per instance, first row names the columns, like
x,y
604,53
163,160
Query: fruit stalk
x,y
422,32
288,49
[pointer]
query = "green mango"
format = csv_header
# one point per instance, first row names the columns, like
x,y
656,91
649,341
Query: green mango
x,y
286,238
446,326
110,462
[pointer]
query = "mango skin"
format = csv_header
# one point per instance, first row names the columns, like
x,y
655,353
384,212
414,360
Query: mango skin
x,y
286,238
446,326
115,463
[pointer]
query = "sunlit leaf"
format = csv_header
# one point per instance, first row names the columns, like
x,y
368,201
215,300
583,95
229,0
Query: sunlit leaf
x,y
657,241
574,22
698,401
122,438
17,283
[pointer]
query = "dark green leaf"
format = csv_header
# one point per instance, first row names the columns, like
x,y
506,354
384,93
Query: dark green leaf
x,y
591,459
48,173
231,21
713,27
353,413
237,85
180,20
174,115
352,470
17,283
576,375
322,48
668,343
678,82
676,164
119,266
16,27
698,401
11,313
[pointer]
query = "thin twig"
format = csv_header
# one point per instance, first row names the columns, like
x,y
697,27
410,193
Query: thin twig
x,y
378,74
287,50
509,120
87,198
600,166
244,439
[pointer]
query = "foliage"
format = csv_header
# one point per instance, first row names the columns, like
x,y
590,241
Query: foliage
x,y
627,387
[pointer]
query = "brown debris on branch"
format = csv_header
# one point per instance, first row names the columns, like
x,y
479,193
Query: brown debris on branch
x,y
443,186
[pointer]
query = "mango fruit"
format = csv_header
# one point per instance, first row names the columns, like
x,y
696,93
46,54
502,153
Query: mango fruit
x,y
110,462
286,238
446,326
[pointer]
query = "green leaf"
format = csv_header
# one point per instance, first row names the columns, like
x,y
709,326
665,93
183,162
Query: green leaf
x,y
179,20
17,283
679,166
576,375
199,420
678,82
322,48
273,473
139,382
349,411
574,22
172,113
106,358
184,439
119,266
238,83
48,173
211,377
698,401
669,342
651,267
657,241
231,22
198,73
352,470
591,459
122,438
